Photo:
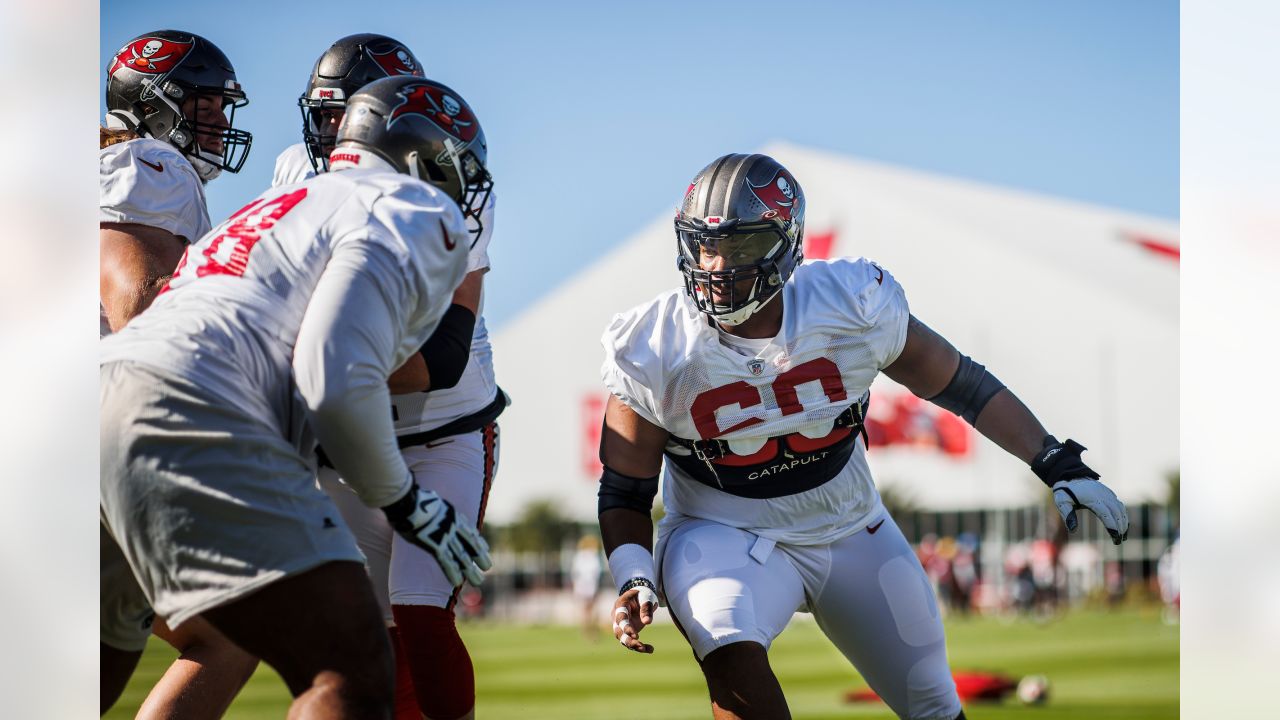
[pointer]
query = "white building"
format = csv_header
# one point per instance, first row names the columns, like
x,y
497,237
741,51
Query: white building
x,y
1073,306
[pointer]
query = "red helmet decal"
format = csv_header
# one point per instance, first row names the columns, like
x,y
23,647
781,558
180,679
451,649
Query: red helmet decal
x,y
150,55
779,194
434,104
397,61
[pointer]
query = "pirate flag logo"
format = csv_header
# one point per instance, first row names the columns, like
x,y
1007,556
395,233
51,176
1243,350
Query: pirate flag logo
x,y
150,55
397,61
778,194
437,105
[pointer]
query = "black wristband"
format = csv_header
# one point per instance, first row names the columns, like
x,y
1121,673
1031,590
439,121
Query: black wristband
x,y
638,582
1060,461
400,510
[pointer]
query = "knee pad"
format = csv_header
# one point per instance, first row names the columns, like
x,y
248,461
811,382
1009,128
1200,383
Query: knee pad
x,y
443,678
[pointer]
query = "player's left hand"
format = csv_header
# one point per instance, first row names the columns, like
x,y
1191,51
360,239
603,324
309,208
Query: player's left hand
x,y
429,521
1092,495
632,611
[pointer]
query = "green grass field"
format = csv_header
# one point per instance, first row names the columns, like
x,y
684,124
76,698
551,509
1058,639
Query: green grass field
x,y
1118,665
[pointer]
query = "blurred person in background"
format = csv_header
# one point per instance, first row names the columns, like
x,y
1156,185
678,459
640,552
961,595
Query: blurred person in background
x,y
585,578
280,327
1017,566
940,573
1044,575
1115,582
1167,578
167,133
751,382
964,572
445,399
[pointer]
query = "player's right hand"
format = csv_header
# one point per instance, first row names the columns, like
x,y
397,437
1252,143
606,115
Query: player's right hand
x,y
427,520
1091,495
632,611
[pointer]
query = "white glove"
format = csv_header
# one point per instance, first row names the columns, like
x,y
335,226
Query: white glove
x,y
1092,495
427,520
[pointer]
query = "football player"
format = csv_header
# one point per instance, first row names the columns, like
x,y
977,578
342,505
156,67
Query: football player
x,y
449,438
280,327
167,133
752,383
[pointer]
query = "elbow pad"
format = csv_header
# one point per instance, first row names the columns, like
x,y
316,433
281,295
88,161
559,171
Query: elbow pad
x,y
969,391
448,350
623,491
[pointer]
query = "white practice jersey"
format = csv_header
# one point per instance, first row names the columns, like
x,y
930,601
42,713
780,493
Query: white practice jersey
x,y
476,389
148,182
298,306
292,166
788,471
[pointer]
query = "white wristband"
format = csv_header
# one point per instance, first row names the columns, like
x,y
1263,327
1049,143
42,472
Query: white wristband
x,y
630,561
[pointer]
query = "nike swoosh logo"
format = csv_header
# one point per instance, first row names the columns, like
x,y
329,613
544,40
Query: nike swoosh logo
x,y
437,444
158,167
448,244
873,528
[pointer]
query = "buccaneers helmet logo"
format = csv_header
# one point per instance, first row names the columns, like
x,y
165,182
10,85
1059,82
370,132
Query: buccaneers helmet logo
x,y
397,61
779,194
150,55
434,104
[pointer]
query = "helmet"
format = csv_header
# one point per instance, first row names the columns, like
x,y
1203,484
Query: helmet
x,y
348,65
426,130
151,77
750,210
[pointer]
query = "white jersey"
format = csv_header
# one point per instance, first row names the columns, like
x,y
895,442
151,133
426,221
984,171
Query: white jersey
x,y
292,166
788,471
148,182
476,389
298,306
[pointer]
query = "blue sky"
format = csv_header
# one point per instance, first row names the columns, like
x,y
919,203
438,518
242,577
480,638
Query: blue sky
x,y
598,114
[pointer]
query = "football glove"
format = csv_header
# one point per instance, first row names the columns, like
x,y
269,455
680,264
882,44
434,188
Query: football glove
x,y
1070,495
427,520
1075,485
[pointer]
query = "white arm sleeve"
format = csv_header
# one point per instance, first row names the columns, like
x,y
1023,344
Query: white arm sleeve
x,y
346,348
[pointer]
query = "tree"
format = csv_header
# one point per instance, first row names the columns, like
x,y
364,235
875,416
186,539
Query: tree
x,y
541,528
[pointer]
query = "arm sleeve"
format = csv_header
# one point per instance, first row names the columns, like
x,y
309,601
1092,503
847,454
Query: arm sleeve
x,y
448,350
345,350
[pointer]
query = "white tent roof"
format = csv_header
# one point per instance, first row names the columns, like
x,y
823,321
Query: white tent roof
x,y
1074,307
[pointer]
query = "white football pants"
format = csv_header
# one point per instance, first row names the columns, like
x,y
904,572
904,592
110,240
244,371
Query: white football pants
x,y
460,468
867,592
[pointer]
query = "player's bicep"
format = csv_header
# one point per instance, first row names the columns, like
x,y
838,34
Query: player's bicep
x,y
630,444
134,263
469,291
927,361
